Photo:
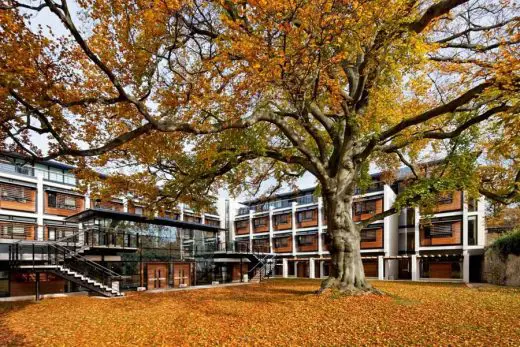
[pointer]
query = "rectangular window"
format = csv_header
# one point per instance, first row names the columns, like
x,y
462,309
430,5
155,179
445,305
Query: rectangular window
x,y
260,222
51,200
305,215
69,202
52,233
242,224
281,242
369,235
364,207
306,240
438,230
281,219
472,231
445,199
139,211
472,205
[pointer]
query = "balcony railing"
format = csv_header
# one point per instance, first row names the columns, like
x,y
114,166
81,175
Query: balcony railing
x,y
277,204
374,187
9,167
59,177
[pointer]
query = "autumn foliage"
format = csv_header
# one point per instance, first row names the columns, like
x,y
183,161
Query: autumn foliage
x,y
180,98
278,313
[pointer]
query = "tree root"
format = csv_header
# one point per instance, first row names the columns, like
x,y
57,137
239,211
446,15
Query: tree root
x,y
333,285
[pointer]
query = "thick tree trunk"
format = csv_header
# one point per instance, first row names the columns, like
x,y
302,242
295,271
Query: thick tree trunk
x,y
346,274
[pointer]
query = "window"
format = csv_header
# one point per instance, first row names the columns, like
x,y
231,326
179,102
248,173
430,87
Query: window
x,y
369,235
18,231
24,170
472,205
306,240
52,233
364,207
305,215
472,231
55,175
242,224
260,222
51,200
281,219
139,210
14,193
438,230
445,199
69,202
306,199
281,242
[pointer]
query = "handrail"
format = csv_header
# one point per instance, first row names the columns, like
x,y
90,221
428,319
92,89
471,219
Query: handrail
x,y
66,252
85,260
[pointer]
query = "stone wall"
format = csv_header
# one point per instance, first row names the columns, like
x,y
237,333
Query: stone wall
x,y
502,270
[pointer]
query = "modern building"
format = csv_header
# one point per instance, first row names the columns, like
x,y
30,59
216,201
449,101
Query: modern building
x,y
445,244
54,239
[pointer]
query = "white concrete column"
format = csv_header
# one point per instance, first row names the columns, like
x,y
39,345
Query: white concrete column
x,y
465,267
295,269
181,214
285,268
464,222
125,205
271,229
203,218
320,225
251,229
322,268
293,216
39,206
312,270
416,229
87,198
381,268
415,267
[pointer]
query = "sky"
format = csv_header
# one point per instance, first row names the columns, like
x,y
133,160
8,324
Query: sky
x,y
47,20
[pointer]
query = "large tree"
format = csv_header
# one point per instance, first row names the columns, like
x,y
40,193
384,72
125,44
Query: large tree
x,y
187,96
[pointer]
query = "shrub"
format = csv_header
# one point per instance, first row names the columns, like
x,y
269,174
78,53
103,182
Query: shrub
x,y
507,244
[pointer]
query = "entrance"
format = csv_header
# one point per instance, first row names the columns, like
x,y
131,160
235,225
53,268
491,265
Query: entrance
x,y
475,268
157,276
181,275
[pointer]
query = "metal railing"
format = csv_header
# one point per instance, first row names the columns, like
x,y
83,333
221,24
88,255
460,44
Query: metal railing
x,y
37,254
277,204
9,167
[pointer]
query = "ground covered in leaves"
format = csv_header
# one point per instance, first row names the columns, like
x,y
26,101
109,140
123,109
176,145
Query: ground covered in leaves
x,y
277,313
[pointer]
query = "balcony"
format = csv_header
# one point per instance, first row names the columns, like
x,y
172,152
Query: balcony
x,y
16,169
374,187
58,177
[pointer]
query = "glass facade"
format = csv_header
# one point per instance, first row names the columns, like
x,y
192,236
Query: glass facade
x,y
139,246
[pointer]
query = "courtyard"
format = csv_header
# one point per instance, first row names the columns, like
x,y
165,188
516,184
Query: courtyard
x,y
274,313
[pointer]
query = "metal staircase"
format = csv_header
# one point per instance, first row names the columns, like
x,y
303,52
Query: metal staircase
x,y
62,260
263,269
